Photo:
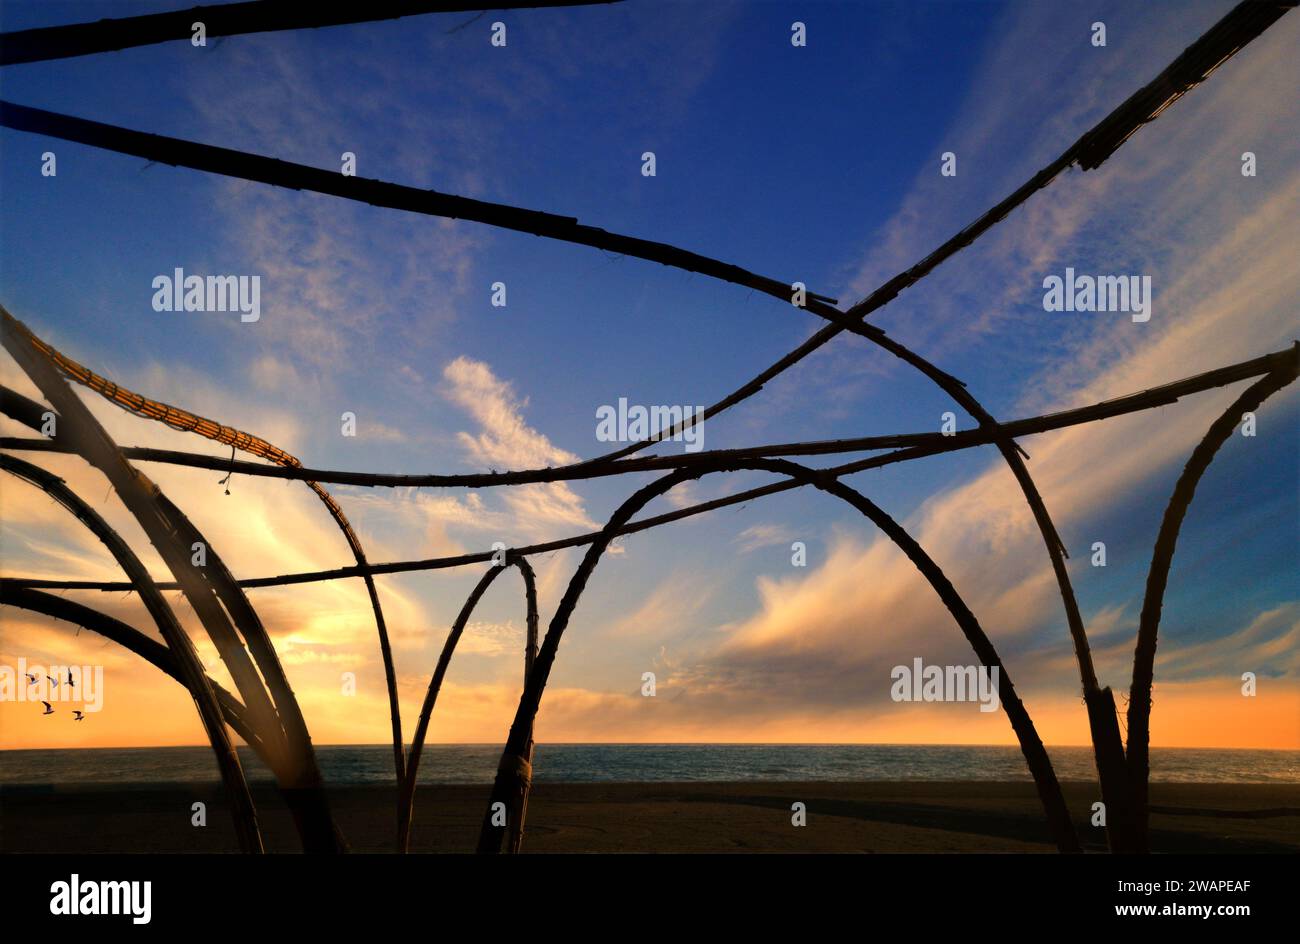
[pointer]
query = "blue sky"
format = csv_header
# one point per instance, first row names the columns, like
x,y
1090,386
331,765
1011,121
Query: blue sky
x,y
819,164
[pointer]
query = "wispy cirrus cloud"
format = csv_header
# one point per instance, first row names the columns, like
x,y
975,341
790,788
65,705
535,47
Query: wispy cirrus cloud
x,y
763,535
504,440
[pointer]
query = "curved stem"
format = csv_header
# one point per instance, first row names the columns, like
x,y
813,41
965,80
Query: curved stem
x,y
302,784
1162,557
515,837
406,803
513,767
44,43
1103,722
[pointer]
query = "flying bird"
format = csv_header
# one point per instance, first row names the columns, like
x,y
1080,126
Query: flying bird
x,y
48,709
53,680
71,683
78,715
32,678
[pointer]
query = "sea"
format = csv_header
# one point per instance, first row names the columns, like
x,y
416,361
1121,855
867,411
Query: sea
x,y
610,763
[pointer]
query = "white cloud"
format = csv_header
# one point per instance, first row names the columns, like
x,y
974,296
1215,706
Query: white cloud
x,y
763,535
504,440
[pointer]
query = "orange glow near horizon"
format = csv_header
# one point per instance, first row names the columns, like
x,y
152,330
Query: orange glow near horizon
x,y
1196,715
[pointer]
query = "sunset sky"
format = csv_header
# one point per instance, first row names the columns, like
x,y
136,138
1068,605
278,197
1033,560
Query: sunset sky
x,y
819,164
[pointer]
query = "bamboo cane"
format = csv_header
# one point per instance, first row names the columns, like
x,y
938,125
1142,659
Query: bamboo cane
x,y
406,806
1162,557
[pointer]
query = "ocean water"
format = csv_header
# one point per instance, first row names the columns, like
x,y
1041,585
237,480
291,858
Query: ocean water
x,y
589,763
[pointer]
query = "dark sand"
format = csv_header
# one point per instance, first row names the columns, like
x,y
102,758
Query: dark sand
x,y
662,817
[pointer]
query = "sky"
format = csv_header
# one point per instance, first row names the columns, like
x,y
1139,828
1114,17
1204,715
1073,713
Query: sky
x,y
819,164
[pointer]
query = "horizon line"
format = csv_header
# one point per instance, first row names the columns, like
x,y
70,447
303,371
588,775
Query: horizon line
x,y
388,745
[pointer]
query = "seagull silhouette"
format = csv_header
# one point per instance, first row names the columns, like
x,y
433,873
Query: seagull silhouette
x,y
32,678
53,680
79,715
71,683
48,710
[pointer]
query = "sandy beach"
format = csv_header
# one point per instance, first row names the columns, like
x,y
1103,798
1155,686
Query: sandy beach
x,y
899,817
